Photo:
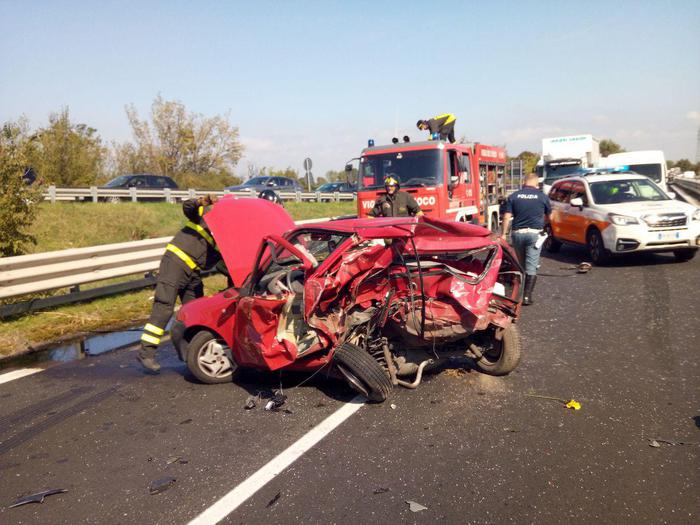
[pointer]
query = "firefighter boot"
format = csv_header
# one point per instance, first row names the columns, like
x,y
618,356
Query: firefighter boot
x,y
530,281
147,358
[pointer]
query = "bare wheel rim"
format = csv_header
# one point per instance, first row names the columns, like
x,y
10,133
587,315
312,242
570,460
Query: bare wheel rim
x,y
213,361
354,381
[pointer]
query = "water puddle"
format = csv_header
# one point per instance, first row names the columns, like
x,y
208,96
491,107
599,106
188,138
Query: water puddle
x,y
79,349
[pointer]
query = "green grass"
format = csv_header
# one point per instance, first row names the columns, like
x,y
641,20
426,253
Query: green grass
x,y
73,225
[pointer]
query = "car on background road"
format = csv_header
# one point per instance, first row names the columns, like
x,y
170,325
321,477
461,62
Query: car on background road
x,y
332,187
613,214
140,181
372,301
258,184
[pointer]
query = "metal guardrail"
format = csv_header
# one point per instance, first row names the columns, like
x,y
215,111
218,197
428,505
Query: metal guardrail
x,y
95,194
42,272
691,185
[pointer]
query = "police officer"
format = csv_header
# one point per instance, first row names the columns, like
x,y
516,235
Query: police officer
x,y
443,124
395,203
191,250
528,208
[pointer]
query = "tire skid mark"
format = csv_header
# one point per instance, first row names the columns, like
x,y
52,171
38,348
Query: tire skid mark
x,y
40,408
55,419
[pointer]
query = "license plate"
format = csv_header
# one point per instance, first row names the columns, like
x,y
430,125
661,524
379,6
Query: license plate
x,y
667,236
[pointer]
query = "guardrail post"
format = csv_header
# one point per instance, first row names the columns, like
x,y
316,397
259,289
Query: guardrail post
x,y
132,193
52,194
168,196
192,193
93,192
336,196
318,196
298,195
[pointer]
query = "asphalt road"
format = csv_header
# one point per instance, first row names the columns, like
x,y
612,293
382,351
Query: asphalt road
x,y
622,340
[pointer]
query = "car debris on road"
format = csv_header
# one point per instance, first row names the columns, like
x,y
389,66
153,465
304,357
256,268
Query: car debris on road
x,y
37,497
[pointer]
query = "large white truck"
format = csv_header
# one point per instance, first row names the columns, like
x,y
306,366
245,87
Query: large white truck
x,y
566,156
650,163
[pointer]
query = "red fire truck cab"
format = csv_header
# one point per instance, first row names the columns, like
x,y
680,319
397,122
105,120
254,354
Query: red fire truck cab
x,y
462,182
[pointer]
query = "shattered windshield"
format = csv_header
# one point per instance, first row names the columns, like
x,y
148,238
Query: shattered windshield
x,y
411,168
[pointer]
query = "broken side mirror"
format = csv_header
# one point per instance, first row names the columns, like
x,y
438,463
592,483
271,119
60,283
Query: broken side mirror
x,y
348,168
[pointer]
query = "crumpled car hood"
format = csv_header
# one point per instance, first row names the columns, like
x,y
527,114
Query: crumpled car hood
x,y
238,225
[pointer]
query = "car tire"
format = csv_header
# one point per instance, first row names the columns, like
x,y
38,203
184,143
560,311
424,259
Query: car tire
x,y
207,359
551,244
504,356
362,372
684,255
596,247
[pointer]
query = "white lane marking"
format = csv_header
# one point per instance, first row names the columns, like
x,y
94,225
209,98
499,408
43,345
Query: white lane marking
x,y
276,466
17,374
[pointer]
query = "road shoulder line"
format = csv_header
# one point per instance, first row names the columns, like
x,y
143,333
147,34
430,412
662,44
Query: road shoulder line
x,y
231,501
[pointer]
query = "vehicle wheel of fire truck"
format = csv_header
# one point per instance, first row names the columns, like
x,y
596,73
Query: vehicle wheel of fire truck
x,y
207,360
362,372
551,244
596,248
684,255
501,357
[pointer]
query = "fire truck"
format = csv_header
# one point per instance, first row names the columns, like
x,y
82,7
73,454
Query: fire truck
x,y
459,181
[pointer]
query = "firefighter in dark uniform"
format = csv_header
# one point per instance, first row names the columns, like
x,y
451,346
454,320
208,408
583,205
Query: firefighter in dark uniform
x,y
191,250
443,125
395,203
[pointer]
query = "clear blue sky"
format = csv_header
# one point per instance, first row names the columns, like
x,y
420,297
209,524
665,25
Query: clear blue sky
x,y
319,78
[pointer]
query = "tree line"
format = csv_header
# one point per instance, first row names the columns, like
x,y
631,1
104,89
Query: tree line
x,y
193,149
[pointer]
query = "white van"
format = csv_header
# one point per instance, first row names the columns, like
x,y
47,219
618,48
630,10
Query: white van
x,y
650,163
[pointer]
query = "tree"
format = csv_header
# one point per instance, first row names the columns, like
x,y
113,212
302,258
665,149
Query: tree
x,y
191,148
683,164
68,154
529,161
17,199
609,146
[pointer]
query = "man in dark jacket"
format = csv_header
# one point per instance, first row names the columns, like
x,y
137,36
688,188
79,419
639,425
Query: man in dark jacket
x,y
443,125
395,203
529,209
191,250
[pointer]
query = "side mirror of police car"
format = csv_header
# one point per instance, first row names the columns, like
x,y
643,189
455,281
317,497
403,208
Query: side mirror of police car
x,y
671,195
577,201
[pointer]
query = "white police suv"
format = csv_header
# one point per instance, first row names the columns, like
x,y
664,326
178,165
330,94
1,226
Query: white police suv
x,y
620,213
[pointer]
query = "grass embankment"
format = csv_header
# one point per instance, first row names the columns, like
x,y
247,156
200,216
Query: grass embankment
x,y
74,225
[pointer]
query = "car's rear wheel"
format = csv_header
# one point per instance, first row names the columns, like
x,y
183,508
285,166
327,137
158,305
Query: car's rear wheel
x,y
551,244
362,372
499,358
684,255
596,248
207,359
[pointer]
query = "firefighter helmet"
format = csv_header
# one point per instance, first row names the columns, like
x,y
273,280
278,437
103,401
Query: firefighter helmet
x,y
390,180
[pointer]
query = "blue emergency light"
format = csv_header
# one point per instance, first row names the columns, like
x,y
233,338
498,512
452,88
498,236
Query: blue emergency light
x,y
370,143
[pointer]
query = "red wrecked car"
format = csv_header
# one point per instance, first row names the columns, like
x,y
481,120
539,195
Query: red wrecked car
x,y
377,301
